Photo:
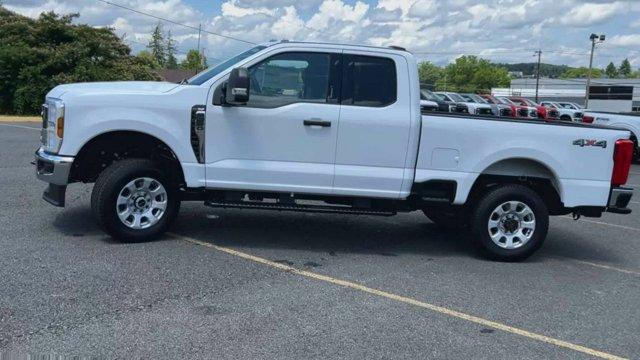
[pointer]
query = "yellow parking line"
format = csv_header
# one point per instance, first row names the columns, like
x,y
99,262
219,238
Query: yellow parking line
x,y
406,300
602,223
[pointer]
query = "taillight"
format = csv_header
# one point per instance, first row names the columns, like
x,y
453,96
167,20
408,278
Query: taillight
x,y
587,119
622,155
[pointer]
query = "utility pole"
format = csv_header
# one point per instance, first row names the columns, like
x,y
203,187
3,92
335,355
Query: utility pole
x,y
594,39
199,31
539,53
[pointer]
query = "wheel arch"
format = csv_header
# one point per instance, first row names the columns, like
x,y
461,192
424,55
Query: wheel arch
x,y
532,173
105,148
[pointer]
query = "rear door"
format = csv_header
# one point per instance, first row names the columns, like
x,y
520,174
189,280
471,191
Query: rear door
x,y
375,121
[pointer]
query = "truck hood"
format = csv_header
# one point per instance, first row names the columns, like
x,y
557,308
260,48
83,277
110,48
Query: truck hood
x,y
115,87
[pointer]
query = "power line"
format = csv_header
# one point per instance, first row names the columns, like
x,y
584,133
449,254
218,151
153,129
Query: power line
x,y
175,22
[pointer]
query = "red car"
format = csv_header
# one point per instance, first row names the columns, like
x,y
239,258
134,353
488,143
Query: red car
x,y
543,112
517,111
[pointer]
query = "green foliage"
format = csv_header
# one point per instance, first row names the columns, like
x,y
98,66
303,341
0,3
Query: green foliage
x,y
157,45
429,73
37,55
147,58
529,69
194,61
611,71
582,72
172,62
470,74
625,68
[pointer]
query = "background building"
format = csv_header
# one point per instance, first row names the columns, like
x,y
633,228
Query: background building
x,y
606,94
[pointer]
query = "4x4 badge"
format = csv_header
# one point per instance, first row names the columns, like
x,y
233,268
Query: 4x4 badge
x,y
590,142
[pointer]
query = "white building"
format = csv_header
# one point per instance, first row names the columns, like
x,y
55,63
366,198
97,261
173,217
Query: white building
x,y
606,94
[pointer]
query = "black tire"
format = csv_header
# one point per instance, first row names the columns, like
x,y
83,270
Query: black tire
x,y
107,188
566,118
445,217
493,198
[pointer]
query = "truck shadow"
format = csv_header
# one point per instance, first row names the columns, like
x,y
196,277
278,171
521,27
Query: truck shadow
x,y
329,234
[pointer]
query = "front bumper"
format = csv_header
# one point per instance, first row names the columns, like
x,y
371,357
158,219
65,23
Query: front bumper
x,y
619,200
55,170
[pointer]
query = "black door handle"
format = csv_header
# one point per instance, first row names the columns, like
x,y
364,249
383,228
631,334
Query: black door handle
x,y
317,122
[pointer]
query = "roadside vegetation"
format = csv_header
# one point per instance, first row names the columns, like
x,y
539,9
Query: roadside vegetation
x,y
36,55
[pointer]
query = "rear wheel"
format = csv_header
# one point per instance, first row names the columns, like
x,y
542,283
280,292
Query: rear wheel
x,y
133,201
565,118
509,223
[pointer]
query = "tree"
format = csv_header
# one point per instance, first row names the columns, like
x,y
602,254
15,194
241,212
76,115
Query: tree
x,y
625,68
611,71
581,72
429,74
193,61
470,74
172,62
147,58
37,55
157,45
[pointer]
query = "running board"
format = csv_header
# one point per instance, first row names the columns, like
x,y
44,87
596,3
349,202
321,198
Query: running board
x,y
296,207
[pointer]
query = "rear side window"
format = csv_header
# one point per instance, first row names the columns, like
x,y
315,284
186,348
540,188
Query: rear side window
x,y
368,81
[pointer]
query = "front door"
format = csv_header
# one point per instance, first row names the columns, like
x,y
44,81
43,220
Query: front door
x,y
284,138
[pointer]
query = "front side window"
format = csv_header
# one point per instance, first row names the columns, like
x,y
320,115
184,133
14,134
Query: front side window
x,y
289,78
368,81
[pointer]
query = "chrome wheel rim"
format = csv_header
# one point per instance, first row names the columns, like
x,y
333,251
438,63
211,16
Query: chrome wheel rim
x,y
141,203
511,225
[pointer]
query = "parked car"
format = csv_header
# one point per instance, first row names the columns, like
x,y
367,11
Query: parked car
x,y
239,136
627,121
474,108
430,102
524,111
564,114
496,109
454,107
543,112
571,105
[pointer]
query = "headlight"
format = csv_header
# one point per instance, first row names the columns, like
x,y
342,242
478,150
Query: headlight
x,y
52,125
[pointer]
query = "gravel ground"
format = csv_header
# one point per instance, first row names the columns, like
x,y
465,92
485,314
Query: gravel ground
x,y
69,290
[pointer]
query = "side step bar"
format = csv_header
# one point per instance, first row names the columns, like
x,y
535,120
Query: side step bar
x,y
296,207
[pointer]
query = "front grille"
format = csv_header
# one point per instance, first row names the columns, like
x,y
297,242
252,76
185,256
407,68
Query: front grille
x,y
45,116
552,113
484,111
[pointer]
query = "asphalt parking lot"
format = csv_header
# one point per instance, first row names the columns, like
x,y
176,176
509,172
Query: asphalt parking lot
x,y
251,284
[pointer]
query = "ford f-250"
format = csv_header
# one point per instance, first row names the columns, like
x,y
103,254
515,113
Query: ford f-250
x,y
285,123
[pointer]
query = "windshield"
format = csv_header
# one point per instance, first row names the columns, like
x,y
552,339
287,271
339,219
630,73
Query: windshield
x,y
427,95
479,99
467,97
457,98
213,71
506,101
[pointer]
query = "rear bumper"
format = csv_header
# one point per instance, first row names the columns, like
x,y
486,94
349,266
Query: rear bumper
x,y
619,200
55,170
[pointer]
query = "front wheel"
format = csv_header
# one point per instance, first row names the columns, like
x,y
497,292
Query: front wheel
x,y
133,201
509,223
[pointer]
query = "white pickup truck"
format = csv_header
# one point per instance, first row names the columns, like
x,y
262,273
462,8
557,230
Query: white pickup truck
x,y
626,121
322,128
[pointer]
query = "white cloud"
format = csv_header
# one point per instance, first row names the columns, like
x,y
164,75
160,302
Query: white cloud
x,y
437,30
593,13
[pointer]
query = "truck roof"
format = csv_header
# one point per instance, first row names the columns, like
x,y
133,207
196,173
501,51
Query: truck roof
x,y
392,48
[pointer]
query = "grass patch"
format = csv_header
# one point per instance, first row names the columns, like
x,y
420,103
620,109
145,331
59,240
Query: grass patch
x,y
19,118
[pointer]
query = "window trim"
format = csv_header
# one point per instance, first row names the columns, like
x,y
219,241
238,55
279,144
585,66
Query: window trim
x,y
346,55
333,56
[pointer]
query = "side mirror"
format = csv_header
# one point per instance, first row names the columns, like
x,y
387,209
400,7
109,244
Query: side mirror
x,y
237,87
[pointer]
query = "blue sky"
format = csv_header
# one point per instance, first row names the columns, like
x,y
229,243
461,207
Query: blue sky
x,y
435,30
